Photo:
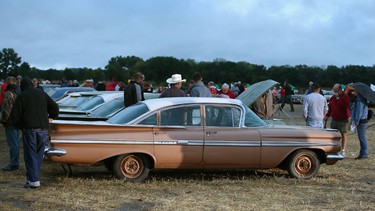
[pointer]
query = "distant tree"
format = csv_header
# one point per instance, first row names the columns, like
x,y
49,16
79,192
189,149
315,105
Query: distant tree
x,y
118,66
158,69
24,69
9,61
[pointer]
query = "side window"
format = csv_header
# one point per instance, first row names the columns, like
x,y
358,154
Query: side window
x,y
181,116
151,120
222,116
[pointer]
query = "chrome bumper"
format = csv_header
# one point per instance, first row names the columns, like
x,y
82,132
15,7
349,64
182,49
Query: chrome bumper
x,y
54,152
333,158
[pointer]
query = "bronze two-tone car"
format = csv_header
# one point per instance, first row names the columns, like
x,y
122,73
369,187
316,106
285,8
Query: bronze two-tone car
x,y
192,133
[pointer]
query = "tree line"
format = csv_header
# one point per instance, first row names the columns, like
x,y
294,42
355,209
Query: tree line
x,y
158,69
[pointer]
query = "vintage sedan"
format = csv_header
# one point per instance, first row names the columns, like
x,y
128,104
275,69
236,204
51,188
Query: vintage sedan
x,y
97,106
192,133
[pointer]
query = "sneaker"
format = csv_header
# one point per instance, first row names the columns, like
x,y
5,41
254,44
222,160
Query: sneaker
x,y
27,185
360,158
10,168
343,153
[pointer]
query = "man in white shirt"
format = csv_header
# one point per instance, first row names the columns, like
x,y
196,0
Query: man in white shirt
x,y
314,107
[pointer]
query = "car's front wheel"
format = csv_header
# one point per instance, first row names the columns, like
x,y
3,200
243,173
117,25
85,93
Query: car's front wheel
x,y
303,164
131,167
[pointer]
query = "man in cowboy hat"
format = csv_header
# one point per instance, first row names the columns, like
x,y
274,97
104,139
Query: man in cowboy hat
x,y
175,83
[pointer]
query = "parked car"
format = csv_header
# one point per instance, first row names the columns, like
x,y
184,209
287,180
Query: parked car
x,y
100,112
60,92
49,88
298,98
191,133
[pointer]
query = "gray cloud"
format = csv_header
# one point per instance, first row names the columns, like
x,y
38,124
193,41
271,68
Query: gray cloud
x,y
58,34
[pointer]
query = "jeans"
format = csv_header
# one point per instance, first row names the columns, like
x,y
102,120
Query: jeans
x,y
13,140
288,99
34,141
361,130
314,123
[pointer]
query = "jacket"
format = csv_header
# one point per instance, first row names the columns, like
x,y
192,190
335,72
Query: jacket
x,y
133,94
338,109
10,95
200,90
33,108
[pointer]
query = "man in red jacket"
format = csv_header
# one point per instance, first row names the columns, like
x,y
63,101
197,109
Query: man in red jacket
x,y
338,109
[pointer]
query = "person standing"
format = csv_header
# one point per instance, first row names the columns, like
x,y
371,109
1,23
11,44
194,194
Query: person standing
x,y
110,85
199,89
32,112
36,84
175,83
314,107
134,91
288,96
235,89
11,131
359,112
226,92
338,109
309,89
212,88
3,88
282,95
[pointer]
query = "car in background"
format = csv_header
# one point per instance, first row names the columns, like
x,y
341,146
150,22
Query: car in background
x,y
327,94
191,133
84,101
99,107
72,100
298,98
49,88
60,92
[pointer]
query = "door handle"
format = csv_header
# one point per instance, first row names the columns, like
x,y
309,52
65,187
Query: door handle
x,y
211,132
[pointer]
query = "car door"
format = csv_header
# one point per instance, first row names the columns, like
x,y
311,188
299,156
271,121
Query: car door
x,y
178,138
226,143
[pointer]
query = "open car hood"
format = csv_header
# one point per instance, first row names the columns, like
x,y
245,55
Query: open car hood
x,y
255,91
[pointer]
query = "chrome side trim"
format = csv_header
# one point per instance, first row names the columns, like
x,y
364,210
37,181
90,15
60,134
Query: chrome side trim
x,y
236,143
233,143
101,141
55,152
294,144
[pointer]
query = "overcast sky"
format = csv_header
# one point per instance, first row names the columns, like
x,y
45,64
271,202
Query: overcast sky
x,y
87,33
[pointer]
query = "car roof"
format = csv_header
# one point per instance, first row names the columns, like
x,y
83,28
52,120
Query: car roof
x,y
77,94
75,88
155,104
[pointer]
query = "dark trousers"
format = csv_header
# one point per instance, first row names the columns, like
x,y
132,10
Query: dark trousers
x,y
288,99
34,141
13,140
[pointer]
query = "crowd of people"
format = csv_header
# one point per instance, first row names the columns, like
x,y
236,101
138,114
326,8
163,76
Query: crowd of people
x,y
347,109
26,108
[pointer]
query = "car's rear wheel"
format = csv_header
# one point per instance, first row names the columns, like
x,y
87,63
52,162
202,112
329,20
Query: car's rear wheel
x,y
131,167
303,164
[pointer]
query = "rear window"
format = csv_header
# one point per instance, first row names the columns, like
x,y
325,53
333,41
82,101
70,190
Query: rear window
x,y
128,114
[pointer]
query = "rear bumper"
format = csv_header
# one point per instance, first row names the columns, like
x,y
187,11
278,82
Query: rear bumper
x,y
333,158
54,152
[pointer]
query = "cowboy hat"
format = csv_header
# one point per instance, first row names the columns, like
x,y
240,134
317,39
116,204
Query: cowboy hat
x,y
176,78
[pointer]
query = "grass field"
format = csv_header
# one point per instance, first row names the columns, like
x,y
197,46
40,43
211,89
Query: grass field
x,y
347,185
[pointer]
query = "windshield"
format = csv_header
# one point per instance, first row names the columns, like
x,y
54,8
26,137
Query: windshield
x,y
252,120
128,114
97,100
108,108
74,101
